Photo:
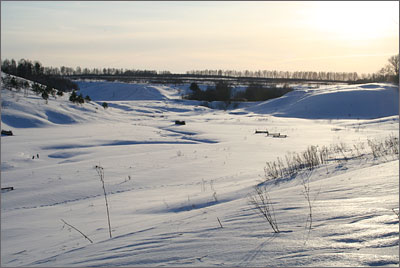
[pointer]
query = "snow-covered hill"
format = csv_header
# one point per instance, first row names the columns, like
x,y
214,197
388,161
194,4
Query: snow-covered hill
x,y
117,91
337,102
178,194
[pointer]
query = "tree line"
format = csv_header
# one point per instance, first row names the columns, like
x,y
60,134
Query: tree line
x,y
29,70
36,72
388,73
36,67
331,76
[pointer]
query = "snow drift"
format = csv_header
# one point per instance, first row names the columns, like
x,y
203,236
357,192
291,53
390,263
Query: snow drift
x,y
178,194
117,91
337,102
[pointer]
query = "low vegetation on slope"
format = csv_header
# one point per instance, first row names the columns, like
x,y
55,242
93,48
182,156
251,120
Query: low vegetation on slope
x,y
222,91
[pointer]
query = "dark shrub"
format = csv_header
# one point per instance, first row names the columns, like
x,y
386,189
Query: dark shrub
x,y
256,92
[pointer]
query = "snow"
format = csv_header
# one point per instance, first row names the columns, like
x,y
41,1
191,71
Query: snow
x,y
117,91
341,102
168,185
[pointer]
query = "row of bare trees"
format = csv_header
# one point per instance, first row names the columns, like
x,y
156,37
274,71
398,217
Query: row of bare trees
x,y
337,76
24,66
389,73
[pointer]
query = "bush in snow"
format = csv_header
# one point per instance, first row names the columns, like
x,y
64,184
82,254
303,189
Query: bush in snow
x,y
45,95
81,99
37,88
261,202
50,90
13,82
389,146
256,92
43,91
309,159
315,156
75,98
194,87
221,92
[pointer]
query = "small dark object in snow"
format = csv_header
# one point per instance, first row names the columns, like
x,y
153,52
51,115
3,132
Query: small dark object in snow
x,y
37,156
33,157
7,132
261,131
177,122
278,135
6,189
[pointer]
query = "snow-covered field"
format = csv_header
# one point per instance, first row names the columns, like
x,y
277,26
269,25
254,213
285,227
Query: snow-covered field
x,y
178,194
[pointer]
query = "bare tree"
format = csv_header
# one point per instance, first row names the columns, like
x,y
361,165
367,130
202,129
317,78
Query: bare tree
x,y
393,67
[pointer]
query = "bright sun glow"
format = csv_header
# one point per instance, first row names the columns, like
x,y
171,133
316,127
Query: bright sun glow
x,y
355,20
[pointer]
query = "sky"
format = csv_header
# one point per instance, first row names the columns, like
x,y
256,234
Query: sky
x,y
179,36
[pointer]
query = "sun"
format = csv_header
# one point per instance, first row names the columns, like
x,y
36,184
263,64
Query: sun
x,y
358,21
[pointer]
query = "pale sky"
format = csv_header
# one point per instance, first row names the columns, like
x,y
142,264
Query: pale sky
x,y
195,35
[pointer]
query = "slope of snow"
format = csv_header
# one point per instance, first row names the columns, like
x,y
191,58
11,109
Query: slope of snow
x,y
168,186
117,91
357,101
32,111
